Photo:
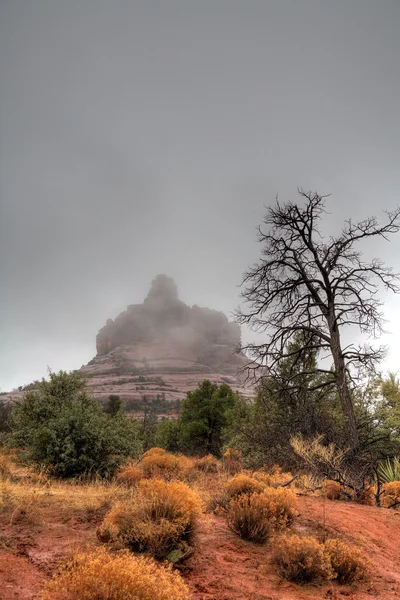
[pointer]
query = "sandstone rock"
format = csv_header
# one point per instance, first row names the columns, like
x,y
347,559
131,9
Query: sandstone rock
x,y
163,346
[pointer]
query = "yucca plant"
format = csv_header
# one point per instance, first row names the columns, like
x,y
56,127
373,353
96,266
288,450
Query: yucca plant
x,y
390,470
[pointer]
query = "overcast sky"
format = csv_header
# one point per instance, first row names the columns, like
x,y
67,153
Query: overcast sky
x,y
145,137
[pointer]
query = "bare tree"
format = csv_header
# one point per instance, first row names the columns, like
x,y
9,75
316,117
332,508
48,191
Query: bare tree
x,y
307,283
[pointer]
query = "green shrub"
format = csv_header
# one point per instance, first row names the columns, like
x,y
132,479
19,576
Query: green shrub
x,y
62,428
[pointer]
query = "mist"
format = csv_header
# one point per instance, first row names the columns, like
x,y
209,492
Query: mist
x,y
139,138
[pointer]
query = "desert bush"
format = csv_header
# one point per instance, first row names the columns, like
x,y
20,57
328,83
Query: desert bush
x,y
161,515
99,575
255,516
241,484
129,476
332,490
349,564
391,494
159,463
232,461
273,477
302,560
206,464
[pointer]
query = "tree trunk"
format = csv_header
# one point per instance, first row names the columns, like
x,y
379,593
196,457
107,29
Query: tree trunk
x,y
343,386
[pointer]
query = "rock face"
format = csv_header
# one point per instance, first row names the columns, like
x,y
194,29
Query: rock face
x,y
164,346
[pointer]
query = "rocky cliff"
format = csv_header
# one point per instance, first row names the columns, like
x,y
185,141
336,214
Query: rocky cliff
x,y
163,346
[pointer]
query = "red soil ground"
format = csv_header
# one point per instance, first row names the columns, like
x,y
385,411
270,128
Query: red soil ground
x,y
224,567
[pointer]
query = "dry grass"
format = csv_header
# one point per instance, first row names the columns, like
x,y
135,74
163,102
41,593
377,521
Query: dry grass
x,y
349,564
159,517
240,484
206,464
302,560
129,476
161,464
332,490
99,575
391,494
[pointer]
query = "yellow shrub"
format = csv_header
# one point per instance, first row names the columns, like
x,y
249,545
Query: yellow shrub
x,y
129,476
281,505
349,564
156,520
332,490
274,477
232,460
206,464
302,559
367,496
241,484
99,575
162,464
391,493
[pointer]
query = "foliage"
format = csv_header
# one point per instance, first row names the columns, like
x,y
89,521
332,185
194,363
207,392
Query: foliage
x,y
302,560
167,435
390,470
203,418
348,564
332,490
159,463
129,475
316,286
206,464
62,428
114,405
99,575
241,484
391,494
160,516
256,515
282,410
247,516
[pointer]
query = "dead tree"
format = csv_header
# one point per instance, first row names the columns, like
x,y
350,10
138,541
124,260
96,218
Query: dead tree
x,y
315,285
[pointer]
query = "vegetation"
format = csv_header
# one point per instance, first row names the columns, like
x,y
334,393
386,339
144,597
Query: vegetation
x,y
156,520
317,287
349,564
63,429
257,515
302,560
99,575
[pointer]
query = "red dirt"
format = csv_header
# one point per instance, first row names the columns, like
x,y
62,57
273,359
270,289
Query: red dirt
x,y
224,567
228,568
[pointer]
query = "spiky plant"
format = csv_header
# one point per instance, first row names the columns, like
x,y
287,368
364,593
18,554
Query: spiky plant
x,y
390,470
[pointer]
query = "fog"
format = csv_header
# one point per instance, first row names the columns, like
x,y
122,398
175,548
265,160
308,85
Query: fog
x,y
146,137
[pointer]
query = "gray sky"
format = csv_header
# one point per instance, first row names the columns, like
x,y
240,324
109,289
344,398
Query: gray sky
x,y
146,137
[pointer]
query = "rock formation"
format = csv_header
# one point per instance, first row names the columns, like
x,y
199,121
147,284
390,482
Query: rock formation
x,y
164,346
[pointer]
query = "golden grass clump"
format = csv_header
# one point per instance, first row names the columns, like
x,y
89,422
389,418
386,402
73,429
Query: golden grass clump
x,y
302,560
241,484
256,516
206,464
129,476
332,490
232,461
391,494
273,477
349,564
159,463
161,515
99,575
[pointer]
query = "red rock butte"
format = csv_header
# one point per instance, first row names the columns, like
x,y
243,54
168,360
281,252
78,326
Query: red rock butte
x,y
165,346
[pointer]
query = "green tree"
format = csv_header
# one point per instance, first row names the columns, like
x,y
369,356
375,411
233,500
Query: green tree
x,y
114,405
61,427
204,416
